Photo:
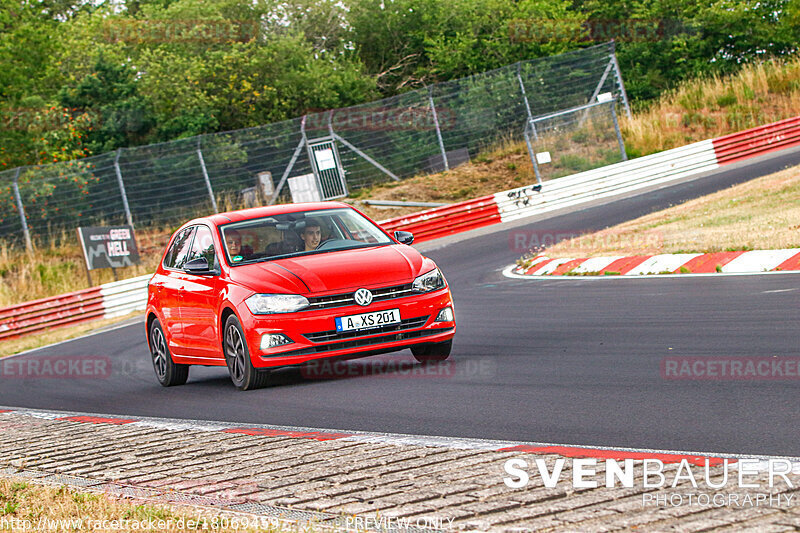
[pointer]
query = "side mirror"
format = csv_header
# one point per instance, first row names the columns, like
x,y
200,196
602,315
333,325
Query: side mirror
x,y
404,237
197,266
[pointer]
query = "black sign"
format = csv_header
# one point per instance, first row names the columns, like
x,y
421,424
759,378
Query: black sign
x,y
109,246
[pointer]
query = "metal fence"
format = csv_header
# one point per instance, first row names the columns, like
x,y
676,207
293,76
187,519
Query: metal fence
x,y
422,131
575,140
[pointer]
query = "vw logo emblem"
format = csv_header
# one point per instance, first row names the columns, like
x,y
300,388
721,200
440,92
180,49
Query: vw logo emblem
x,y
363,297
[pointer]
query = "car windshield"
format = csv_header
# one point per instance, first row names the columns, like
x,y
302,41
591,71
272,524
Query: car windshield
x,y
301,233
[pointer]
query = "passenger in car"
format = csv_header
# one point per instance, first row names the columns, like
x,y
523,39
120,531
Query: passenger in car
x,y
311,235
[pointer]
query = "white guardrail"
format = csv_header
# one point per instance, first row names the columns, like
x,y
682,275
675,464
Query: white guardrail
x,y
126,296
607,181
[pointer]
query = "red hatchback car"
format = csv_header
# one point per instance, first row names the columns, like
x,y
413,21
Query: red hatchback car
x,y
284,285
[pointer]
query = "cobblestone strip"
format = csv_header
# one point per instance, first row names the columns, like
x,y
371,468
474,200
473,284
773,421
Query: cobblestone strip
x,y
360,481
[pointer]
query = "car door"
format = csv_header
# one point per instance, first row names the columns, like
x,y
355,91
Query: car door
x,y
169,287
200,301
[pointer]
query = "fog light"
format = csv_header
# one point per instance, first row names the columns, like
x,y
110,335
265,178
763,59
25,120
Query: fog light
x,y
271,340
445,315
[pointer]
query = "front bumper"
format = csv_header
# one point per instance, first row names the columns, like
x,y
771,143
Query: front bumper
x,y
315,337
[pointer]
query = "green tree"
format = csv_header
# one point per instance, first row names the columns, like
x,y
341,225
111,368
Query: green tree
x,y
662,42
28,78
411,43
111,94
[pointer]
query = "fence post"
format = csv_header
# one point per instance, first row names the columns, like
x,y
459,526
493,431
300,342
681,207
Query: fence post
x,y
206,178
618,76
532,155
522,88
358,152
438,130
620,141
21,209
122,189
330,124
289,168
601,82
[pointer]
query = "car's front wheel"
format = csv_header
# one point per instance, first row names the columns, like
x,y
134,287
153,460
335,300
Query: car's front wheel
x,y
243,374
168,372
432,352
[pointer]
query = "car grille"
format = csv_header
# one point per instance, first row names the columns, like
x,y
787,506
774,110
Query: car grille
x,y
347,298
357,343
327,336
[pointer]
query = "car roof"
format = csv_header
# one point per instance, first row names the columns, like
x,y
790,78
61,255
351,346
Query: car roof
x,y
219,219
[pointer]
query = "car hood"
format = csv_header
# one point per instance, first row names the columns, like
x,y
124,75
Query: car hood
x,y
336,271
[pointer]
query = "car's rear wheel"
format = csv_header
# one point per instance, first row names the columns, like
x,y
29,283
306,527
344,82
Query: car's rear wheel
x,y
168,372
432,352
243,374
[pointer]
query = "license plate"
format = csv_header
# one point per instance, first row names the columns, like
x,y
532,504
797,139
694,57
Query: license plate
x,y
375,319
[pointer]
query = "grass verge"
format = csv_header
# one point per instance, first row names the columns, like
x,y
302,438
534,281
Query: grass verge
x,y
711,107
28,507
52,336
58,266
760,214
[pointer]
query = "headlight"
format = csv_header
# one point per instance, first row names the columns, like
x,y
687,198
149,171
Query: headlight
x,y
272,340
265,304
445,315
431,281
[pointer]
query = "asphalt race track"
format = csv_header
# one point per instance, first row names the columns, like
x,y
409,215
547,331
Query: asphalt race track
x,y
571,361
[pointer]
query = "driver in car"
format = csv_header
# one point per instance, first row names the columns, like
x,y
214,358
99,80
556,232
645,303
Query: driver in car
x,y
311,235
233,240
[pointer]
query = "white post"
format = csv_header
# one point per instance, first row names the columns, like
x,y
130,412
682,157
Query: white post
x,y
522,88
289,168
621,85
438,130
122,189
21,209
206,178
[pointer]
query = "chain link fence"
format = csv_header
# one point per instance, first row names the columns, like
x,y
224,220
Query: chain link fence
x,y
575,140
422,131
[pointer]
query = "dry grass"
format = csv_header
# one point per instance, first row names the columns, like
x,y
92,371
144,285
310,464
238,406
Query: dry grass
x,y
761,214
58,266
26,507
52,336
504,167
706,108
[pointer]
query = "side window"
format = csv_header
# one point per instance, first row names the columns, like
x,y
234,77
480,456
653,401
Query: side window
x,y
176,256
203,246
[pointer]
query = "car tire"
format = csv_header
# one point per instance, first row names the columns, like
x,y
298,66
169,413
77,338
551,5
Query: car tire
x,y
168,372
432,352
243,374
